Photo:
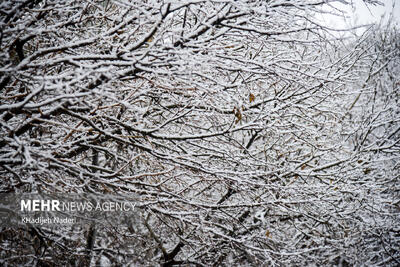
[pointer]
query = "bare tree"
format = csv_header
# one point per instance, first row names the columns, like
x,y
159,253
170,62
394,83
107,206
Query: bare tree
x,y
247,133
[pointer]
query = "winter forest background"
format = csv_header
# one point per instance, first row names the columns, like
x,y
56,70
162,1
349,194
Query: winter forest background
x,y
249,133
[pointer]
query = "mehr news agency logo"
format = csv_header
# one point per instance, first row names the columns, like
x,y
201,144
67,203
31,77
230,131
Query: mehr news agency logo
x,y
54,205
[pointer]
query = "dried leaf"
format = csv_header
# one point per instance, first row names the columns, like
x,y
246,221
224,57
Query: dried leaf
x,y
251,97
267,234
238,114
150,39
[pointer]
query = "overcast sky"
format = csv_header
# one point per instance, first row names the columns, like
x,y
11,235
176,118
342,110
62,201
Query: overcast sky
x,y
360,14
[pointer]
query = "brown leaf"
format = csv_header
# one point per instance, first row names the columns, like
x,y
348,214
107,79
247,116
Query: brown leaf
x,y
238,114
251,97
267,234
